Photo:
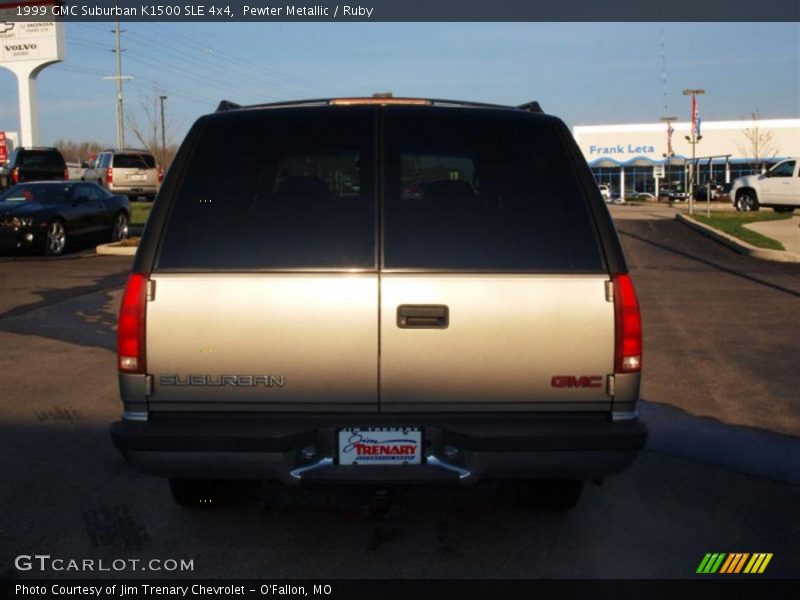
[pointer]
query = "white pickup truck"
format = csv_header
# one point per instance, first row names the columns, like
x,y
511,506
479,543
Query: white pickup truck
x,y
778,188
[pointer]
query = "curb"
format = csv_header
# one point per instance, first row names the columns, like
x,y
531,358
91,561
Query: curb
x,y
738,245
114,250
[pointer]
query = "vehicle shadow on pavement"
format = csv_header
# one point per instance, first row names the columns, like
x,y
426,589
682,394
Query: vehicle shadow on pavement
x,y
88,319
748,450
788,268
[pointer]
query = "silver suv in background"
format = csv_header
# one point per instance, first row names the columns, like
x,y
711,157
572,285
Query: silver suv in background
x,y
380,290
132,173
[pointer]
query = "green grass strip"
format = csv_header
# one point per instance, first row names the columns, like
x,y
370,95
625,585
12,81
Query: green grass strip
x,y
733,224
139,212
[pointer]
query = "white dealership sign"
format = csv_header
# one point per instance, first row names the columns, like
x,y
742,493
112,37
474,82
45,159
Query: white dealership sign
x,y
27,47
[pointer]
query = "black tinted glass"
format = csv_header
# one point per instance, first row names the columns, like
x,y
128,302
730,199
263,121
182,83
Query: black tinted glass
x,y
134,161
42,159
475,189
289,188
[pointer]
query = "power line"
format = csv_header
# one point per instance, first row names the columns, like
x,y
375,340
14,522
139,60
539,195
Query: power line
x,y
253,76
181,69
315,84
226,71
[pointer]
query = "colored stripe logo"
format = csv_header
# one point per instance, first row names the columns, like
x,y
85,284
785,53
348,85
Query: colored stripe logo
x,y
734,563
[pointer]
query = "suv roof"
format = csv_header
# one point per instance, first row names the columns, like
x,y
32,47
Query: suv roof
x,y
126,151
382,99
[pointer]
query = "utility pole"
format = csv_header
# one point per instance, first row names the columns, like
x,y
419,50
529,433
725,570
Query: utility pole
x,y
118,78
693,140
163,134
669,153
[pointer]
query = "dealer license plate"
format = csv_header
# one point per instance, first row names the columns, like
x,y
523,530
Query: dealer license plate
x,y
380,446
136,177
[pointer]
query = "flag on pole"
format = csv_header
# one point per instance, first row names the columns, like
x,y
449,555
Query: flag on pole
x,y
695,117
670,131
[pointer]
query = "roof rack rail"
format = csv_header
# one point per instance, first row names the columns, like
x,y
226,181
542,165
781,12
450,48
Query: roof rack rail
x,y
532,106
225,105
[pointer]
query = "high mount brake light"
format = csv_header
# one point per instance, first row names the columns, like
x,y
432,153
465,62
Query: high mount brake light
x,y
627,326
353,101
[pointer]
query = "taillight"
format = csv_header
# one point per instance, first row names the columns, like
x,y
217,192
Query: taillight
x,y
160,172
66,174
628,326
15,175
130,332
109,175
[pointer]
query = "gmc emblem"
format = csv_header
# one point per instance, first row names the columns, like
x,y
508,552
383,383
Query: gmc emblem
x,y
571,381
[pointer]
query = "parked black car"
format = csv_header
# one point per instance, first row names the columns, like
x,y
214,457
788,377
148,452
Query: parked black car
x,y
33,164
49,216
701,191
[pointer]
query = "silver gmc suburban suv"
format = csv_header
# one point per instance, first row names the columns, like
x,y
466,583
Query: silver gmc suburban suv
x,y
380,290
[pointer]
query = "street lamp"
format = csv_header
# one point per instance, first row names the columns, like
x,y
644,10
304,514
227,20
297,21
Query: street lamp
x,y
669,153
693,140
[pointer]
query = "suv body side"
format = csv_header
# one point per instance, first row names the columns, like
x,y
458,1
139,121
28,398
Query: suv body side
x,y
778,188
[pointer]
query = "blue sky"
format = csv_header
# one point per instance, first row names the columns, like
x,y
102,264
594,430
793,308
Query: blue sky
x,y
585,73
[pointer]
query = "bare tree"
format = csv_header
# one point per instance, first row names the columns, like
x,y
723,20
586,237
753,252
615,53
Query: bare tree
x,y
77,151
759,144
146,128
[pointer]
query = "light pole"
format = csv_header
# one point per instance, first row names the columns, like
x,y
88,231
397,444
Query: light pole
x,y
693,140
163,134
119,78
669,153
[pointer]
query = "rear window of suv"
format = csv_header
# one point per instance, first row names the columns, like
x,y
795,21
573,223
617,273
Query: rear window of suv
x,y
463,190
134,161
483,190
41,159
276,189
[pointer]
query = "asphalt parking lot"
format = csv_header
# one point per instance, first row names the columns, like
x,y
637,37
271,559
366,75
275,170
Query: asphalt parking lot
x,y
721,472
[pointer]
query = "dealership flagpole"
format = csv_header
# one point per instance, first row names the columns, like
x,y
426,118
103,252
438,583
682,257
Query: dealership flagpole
x,y
693,140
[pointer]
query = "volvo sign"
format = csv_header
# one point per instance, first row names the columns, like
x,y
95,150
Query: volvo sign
x,y
27,47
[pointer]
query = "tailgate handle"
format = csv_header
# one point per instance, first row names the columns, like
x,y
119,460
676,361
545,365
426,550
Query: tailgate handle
x,y
423,316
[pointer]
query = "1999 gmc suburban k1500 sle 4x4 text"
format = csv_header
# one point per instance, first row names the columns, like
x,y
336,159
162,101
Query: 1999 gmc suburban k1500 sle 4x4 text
x,y
380,290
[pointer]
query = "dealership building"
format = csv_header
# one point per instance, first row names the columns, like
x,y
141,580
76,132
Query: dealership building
x,y
631,158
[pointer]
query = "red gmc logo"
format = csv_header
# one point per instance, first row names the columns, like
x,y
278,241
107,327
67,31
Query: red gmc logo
x,y
571,381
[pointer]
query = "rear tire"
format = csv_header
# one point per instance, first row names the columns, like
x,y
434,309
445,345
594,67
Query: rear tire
x,y
200,493
747,201
551,495
783,209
